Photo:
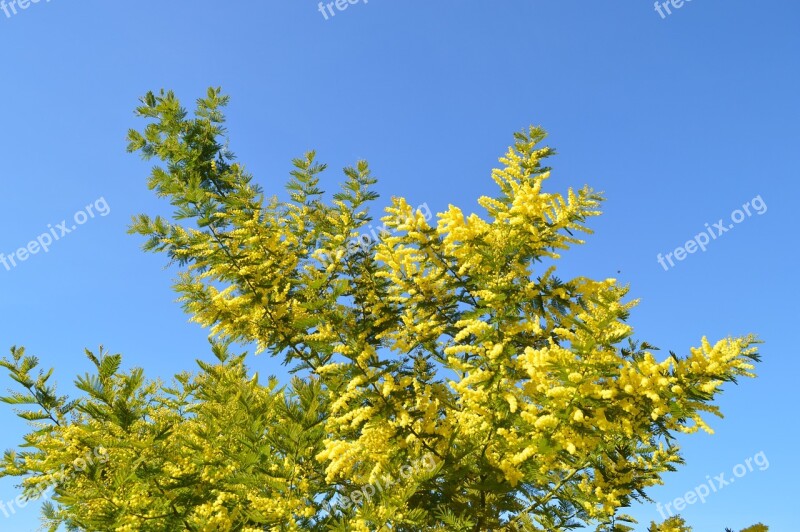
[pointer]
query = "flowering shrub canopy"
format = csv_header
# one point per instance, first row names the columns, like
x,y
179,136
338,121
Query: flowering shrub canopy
x,y
452,343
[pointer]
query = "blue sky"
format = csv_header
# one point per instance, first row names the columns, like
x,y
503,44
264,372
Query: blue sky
x,y
679,120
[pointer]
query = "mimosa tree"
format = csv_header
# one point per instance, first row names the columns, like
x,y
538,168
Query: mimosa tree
x,y
445,377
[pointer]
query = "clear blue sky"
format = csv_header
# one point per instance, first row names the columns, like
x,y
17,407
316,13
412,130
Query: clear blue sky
x,y
680,120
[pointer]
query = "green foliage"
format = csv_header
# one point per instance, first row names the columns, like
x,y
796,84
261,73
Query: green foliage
x,y
673,524
756,528
524,395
